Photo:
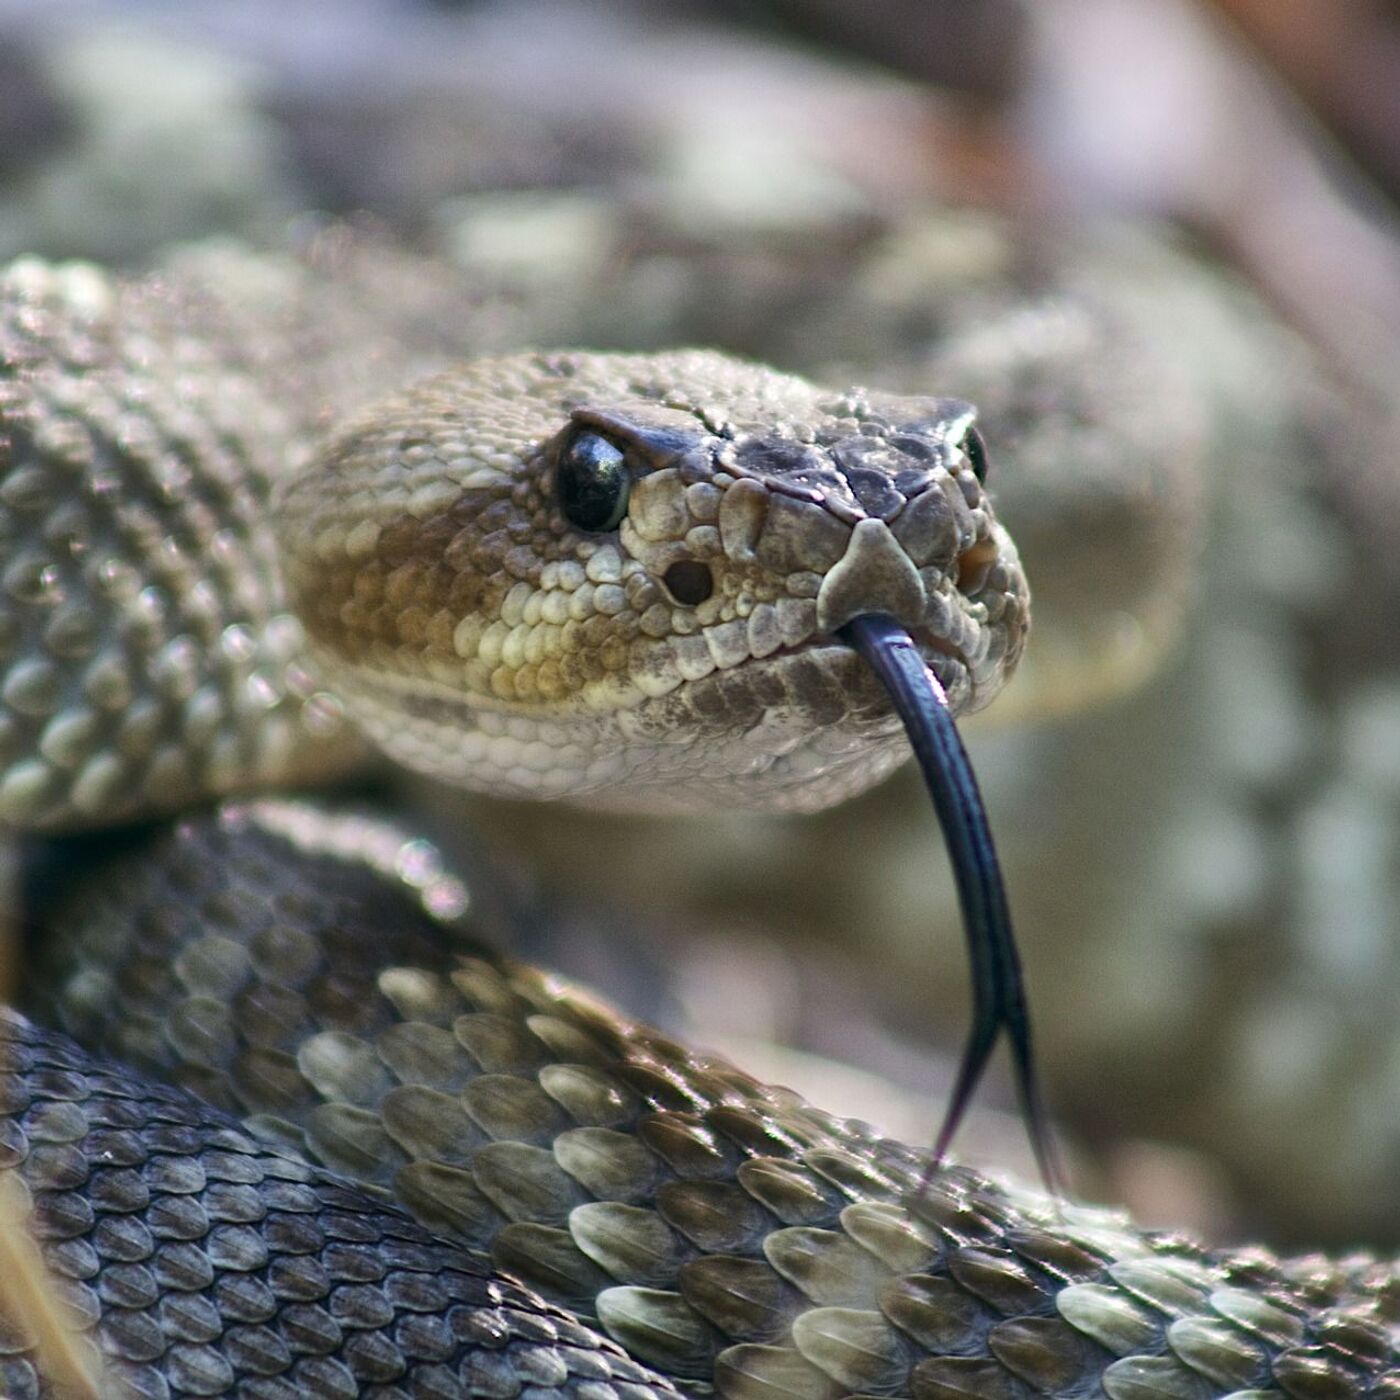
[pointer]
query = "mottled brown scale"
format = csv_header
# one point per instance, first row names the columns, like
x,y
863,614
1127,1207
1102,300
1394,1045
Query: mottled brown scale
x,y
591,1099
958,1378
742,1297
1261,1317
548,1258
447,1199
660,1324
756,1133
1314,1373
1054,1255
1353,1338
848,1170
795,1195
1153,1378
996,1277
889,1235
525,1182
828,1267
683,1141
351,1140
751,1371
855,1347
1147,1281
1218,1351
1118,1323
632,1243
1047,1353
138,437
934,1312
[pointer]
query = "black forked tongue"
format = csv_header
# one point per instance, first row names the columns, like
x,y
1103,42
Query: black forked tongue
x,y
998,997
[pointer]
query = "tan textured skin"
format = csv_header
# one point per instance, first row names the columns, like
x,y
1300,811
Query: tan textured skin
x,y
722,1231
148,654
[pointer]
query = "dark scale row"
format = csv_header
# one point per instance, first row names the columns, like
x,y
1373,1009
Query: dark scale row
x,y
204,1263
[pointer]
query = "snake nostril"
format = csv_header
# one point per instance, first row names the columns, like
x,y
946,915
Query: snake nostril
x,y
689,581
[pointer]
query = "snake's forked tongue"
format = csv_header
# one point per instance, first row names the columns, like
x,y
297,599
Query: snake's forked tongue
x,y
999,999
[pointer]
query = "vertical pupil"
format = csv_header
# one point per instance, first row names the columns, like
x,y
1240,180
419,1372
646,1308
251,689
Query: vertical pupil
x,y
976,451
593,482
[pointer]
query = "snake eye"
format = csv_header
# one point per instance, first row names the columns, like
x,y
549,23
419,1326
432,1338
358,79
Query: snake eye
x,y
976,450
593,482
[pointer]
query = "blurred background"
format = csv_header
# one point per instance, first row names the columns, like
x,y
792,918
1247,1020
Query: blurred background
x,y
1156,241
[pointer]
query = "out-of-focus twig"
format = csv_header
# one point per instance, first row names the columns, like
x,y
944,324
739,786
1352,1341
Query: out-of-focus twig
x,y
1162,106
1148,105
66,1361
1343,61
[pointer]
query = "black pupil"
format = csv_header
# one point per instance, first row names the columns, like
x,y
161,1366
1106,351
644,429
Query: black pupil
x,y
593,482
976,451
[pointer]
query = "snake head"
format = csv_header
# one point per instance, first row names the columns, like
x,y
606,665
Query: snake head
x,y
622,576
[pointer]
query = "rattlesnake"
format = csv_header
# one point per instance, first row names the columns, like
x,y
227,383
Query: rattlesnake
x,y
725,1233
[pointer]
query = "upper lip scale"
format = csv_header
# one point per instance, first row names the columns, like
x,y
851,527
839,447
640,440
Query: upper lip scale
x,y
925,639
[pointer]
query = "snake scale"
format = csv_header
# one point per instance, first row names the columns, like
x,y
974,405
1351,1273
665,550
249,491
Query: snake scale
x,y
417,1168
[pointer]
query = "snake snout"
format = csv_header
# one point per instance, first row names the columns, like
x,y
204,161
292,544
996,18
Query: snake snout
x,y
875,575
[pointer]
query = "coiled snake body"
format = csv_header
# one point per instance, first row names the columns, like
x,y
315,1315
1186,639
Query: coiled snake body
x,y
455,1175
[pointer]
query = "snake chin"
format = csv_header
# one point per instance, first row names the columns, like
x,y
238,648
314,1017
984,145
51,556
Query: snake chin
x,y
798,730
